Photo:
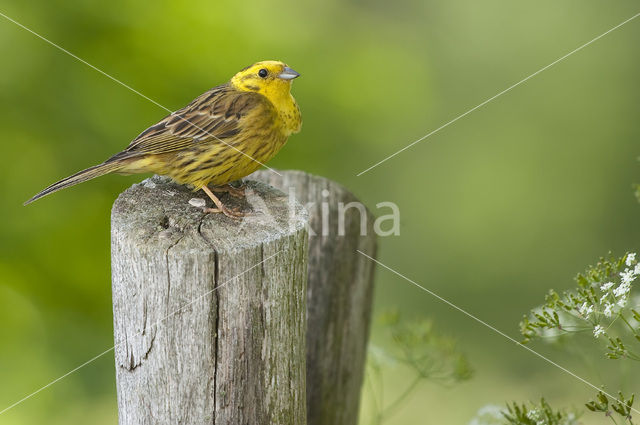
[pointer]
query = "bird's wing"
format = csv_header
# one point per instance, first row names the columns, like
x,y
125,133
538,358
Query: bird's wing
x,y
215,115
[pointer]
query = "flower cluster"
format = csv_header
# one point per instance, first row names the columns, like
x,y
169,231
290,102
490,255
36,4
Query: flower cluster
x,y
602,303
524,414
416,344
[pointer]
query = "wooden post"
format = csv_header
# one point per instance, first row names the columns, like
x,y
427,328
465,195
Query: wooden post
x,y
209,313
339,293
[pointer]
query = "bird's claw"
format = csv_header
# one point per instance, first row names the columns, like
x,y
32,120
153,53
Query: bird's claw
x,y
236,192
233,213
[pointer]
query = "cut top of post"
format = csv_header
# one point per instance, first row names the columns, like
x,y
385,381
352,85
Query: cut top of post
x,y
158,211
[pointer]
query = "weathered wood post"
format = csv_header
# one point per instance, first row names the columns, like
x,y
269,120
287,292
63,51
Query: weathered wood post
x,y
209,314
339,293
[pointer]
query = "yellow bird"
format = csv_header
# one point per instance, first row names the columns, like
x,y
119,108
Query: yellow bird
x,y
221,136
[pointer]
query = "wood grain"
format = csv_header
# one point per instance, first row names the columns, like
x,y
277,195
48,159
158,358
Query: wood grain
x,y
339,293
186,352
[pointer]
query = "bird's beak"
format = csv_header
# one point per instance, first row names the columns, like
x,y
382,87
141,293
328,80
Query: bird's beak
x,y
288,74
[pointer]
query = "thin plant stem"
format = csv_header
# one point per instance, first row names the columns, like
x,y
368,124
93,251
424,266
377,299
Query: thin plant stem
x,y
633,331
387,411
374,398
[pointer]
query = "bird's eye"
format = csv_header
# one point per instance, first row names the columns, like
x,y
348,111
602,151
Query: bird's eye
x,y
263,73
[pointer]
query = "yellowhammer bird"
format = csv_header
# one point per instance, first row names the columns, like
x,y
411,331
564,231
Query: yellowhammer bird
x,y
223,135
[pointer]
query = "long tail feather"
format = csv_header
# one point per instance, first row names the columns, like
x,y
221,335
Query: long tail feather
x,y
79,177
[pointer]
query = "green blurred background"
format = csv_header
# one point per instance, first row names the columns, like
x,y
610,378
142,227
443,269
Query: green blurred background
x,y
496,209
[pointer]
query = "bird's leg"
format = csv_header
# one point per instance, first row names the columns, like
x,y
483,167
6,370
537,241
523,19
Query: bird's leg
x,y
233,213
236,192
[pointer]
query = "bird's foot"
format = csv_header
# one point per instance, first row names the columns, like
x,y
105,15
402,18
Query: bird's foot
x,y
236,192
233,213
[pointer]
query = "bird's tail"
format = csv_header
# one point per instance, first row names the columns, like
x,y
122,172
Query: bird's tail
x,y
79,177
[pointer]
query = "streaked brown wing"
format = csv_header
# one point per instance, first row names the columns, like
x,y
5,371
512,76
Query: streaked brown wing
x,y
213,115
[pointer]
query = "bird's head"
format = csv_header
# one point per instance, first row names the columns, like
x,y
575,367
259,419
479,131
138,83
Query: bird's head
x,y
269,78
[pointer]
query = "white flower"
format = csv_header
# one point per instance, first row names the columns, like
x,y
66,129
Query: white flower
x,y
582,308
608,309
571,419
628,276
586,309
606,286
636,269
491,409
598,330
622,301
533,414
488,415
631,257
622,290
603,298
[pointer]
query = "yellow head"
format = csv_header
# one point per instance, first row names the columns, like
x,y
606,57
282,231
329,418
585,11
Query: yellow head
x,y
272,79
269,78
